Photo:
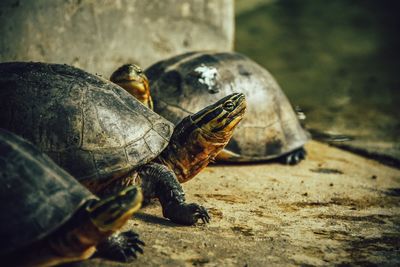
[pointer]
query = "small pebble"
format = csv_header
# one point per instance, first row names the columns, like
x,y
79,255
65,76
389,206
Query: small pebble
x,y
331,184
374,177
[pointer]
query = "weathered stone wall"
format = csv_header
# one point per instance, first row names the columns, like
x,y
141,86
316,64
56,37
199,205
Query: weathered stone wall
x,y
99,35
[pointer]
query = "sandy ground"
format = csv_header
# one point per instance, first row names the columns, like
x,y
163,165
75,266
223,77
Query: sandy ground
x,y
334,208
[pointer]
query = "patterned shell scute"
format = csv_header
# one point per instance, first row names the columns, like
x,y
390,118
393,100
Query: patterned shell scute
x,y
77,162
84,122
184,84
36,196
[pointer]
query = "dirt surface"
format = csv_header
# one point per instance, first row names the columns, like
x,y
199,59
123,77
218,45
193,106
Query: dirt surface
x,y
334,208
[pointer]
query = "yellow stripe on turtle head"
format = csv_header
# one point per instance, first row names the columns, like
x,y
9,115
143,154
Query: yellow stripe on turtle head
x,y
113,212
222,116
132,78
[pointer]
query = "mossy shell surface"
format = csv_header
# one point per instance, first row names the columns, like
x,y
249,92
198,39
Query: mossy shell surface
x,y
184,84
89,126
36,195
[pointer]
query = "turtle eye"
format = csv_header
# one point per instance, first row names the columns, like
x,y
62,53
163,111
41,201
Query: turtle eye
x,y
138,69
229,106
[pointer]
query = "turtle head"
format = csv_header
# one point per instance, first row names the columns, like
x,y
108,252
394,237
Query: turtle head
x,y
132,78
198,138
220,118
112,213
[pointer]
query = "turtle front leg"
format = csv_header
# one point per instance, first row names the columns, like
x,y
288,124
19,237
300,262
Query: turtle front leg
x,y
120,247
160,182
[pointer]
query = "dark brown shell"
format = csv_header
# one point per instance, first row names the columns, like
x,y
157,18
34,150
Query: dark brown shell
x,y
184,84
36,196
86,124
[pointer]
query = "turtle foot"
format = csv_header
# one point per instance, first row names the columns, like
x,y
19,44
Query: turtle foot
x,y
186,214
294,157
121,247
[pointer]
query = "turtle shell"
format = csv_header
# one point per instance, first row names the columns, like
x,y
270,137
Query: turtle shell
x,y
86,124
36,196
184,84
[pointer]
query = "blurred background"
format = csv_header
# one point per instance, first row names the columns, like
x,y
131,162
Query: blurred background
x,y
338,60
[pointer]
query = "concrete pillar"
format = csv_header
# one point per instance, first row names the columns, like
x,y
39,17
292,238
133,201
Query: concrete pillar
x,y
99,35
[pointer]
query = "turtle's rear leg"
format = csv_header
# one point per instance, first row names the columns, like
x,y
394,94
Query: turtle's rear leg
x,y
158,181
294,157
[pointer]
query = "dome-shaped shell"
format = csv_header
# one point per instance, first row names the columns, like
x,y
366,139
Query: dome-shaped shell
x,y
36,196
184,84
86,124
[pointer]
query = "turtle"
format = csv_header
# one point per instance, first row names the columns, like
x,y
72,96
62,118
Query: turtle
x,y
132,78
181,84
107,139
47,217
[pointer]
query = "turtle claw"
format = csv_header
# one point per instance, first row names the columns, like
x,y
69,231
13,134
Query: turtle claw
x,y
121,247
203,215
295,157
187,214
